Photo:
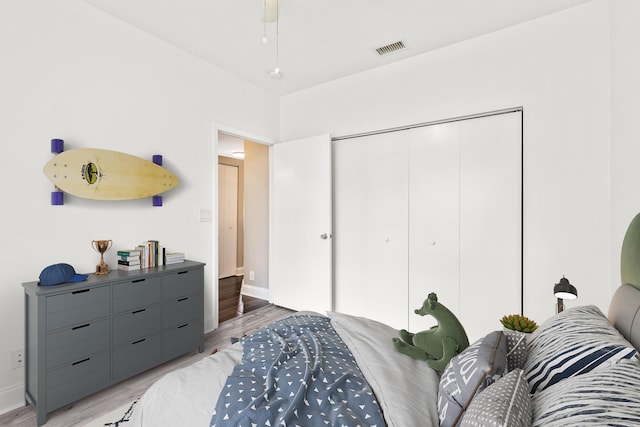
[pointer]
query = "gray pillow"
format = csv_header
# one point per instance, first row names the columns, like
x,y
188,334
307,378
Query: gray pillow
x,y
516,349
468,373
504,403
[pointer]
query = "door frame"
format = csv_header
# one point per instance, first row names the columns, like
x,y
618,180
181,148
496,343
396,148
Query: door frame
x,y
217,127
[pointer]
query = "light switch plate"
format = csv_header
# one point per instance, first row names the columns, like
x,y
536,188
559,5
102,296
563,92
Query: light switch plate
x,y
205,215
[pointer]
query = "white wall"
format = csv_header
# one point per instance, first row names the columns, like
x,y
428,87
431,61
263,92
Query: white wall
x,y
625,111
256,215
557,68
70,71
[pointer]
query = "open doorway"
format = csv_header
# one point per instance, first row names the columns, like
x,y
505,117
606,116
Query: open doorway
x,y
243,225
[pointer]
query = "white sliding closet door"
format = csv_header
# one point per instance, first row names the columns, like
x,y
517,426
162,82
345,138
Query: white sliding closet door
x,y
371,227
434,215
490,221
431,209
466,221
301,250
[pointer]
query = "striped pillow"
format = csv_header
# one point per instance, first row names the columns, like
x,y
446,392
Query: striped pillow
x,y
571,343
611,397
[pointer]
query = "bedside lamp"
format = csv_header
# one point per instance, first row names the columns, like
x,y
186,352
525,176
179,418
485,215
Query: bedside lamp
x,y
564,290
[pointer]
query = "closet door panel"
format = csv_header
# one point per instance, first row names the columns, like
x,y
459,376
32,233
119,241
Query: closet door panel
x,y
371,229
434,220
490,221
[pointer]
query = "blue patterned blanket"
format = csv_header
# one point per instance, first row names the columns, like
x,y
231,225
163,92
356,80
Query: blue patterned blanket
x,y
296,372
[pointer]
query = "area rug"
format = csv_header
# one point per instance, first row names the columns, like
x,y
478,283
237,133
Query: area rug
x,y
117,418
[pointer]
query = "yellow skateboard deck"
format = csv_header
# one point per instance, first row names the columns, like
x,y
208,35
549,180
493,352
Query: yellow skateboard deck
x,y
99,174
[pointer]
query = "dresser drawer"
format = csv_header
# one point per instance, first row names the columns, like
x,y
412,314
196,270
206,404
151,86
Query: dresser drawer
x,y
77,307
76,380
136,293
136,324
182,310
182,283
182,338
136,357
77,342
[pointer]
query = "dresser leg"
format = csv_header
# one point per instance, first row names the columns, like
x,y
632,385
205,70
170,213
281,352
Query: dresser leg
x,y
41,416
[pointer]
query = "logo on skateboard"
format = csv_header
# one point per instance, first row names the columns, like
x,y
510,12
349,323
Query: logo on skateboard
x,y
90,173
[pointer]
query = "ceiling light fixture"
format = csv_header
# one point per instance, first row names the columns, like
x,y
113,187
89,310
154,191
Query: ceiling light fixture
x,y
265,40
271,11
276,74
238,154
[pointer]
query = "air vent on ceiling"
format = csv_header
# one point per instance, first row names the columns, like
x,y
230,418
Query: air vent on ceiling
x,y
390,48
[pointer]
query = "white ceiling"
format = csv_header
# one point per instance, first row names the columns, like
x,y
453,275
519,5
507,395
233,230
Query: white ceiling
x,y
228,144
319,40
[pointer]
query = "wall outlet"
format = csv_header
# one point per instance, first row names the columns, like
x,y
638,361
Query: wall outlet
x,y
17,359
252,275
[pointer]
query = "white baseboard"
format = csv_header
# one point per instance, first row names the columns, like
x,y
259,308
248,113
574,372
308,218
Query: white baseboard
x,y
210,324
239,271
255,291
11,398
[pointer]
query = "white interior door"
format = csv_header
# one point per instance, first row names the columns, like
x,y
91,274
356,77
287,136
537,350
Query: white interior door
x,y
301,270
227,220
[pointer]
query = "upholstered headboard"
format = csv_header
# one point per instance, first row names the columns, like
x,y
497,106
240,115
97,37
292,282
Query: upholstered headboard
x,y
624,310
624,313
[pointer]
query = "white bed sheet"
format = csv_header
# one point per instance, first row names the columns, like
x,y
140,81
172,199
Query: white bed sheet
x,y
187,396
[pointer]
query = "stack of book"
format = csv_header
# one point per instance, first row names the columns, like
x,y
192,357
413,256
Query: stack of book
x,y
129,259
147,255
152,253
173,257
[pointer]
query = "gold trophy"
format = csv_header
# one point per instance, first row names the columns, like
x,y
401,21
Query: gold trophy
x,y
101,246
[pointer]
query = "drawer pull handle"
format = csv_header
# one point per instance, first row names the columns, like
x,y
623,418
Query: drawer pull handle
x,y
182,326
80,361
138,280
80,327
80,292
183,272
138,311
139,341
182,299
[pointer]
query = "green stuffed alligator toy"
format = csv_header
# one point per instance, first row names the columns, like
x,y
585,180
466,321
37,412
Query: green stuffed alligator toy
x,y
438,345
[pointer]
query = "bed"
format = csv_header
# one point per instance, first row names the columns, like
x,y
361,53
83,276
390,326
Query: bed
x,y
580,367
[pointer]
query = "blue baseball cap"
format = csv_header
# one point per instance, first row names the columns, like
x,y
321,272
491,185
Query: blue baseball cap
x,y
60,273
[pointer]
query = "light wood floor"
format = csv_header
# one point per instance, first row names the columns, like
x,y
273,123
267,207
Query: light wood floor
x,y
83,411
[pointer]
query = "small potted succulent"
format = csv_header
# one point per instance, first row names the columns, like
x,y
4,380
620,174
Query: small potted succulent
x,y
517,329
516,322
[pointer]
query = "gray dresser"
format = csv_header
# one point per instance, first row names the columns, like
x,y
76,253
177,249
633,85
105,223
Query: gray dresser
x,y
83,337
